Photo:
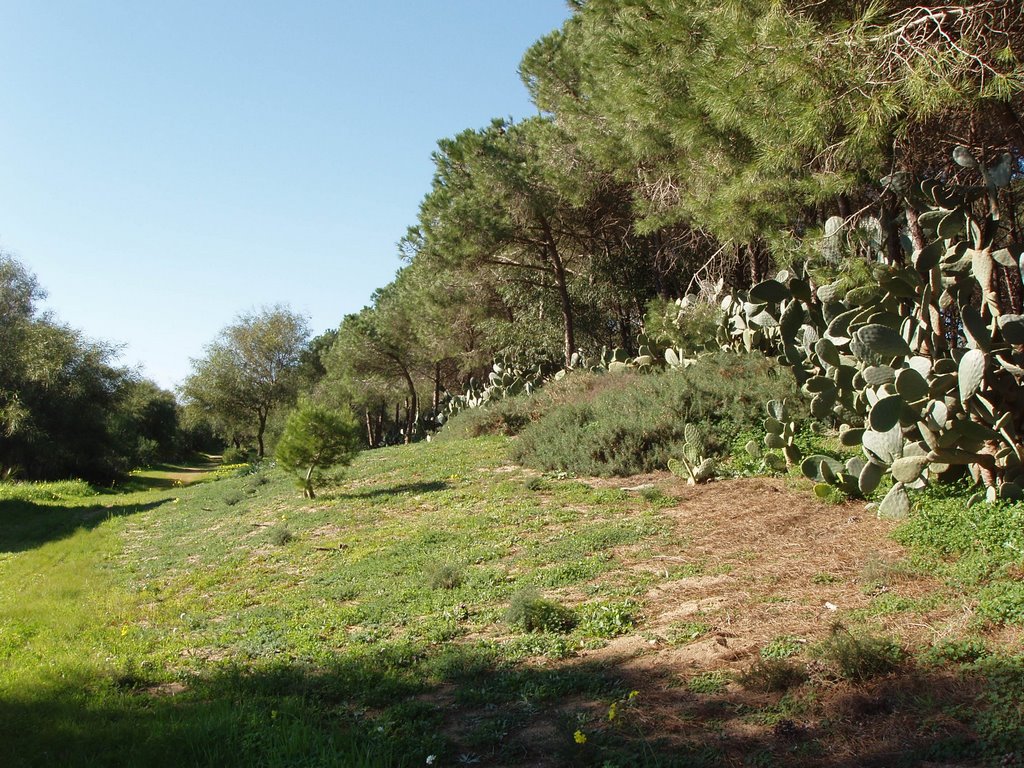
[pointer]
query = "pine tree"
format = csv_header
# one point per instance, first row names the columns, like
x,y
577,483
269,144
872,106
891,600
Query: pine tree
x,y
315,438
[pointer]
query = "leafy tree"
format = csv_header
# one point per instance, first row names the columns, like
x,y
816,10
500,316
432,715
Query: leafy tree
x,y
311,360
146,419
748,119
65,408
248,372
314,438
498,200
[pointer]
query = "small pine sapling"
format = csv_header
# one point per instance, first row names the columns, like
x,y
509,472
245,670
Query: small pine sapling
x,y
314,438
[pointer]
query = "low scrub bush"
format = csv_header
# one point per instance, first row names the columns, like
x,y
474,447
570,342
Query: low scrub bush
x,y
279,535
1002,603
513,414
635,423
533,613
772,674
234,455
781,648
962,651
944,525
445,576
54,491
708,683
857,657
607,620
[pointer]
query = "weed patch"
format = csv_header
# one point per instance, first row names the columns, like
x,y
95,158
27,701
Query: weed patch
x,y
769,675
533,613
859,657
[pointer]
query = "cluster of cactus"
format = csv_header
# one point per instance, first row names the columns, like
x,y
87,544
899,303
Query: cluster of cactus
x,y
693,465
617,360
889,363
684,346
780,433
505,379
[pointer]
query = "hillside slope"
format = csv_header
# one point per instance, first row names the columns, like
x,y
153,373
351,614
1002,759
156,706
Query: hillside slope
x,y
738,623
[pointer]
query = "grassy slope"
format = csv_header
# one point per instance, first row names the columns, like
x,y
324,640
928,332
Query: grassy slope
x,y
230,623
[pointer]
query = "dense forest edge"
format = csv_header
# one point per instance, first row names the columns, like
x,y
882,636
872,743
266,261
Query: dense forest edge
x,y
689,432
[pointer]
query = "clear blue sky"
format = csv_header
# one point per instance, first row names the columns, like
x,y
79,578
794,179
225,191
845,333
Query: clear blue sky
x,y
167,166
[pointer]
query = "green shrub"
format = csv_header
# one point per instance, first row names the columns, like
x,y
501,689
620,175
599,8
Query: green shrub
x,y
529,611
504,417
511,415
316,437
781,648
966,651
1002,603
234,455
708,683
687,632
533,484
772,674
280,535
635,423
944,525
445,576
688,328
54,491
859,657
607,619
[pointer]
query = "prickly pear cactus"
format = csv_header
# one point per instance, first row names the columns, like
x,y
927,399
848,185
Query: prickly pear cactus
x,y
922,371
693,465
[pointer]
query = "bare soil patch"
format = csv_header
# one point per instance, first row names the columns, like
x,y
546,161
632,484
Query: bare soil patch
x,y
771,563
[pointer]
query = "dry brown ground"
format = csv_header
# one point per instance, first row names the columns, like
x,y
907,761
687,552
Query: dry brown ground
x,y
777,562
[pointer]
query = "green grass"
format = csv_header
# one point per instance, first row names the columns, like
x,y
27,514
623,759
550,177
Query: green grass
x,y
62,490
231,623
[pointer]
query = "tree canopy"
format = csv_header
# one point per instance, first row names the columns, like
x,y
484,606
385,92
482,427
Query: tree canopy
x,y
66,408
250,370
314,438
680,147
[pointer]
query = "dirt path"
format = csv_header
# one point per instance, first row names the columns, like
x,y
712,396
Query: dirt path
x,y
172,475
776,566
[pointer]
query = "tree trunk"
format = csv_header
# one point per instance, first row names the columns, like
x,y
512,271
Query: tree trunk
x,y
307,491
437,386
369,428
914,227
259,434
563,295
891,234
412,405
624,328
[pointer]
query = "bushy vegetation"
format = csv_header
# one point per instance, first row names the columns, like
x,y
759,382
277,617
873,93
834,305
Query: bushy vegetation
x,y
533,613
66,408
636,423
858,656
314,439
58,490
510,415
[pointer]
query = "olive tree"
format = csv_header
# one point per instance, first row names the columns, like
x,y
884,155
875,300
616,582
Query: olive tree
x,y
248,372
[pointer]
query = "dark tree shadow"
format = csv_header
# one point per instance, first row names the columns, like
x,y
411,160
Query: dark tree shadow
x,y
179,474
26,525
394,490
395,707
